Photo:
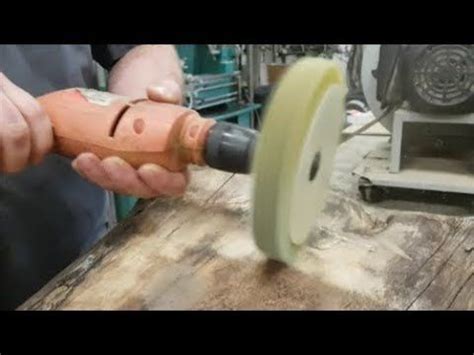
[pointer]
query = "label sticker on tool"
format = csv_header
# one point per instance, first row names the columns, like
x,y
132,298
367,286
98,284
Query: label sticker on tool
x,y
99,97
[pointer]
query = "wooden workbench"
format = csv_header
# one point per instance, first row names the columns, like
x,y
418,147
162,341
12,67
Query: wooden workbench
x,y
197,252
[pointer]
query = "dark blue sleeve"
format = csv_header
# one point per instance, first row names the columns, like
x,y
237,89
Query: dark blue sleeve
x,y
108,54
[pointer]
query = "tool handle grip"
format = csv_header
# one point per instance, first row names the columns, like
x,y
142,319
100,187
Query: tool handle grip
x,y
140,131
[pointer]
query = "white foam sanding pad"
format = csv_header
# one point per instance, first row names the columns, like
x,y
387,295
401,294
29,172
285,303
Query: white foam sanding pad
x,y
295,154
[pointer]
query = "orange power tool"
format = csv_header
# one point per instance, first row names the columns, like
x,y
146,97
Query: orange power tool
x,y
143,131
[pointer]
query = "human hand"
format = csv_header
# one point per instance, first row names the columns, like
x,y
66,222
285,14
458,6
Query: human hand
x,y
26,134
147,181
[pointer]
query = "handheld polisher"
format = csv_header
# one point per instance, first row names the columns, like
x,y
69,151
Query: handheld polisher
x,y
291,159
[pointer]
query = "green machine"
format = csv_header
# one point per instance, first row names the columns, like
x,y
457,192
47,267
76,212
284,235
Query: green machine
x,y
214,83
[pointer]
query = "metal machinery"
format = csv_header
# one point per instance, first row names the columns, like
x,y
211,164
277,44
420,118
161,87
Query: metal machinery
x,y
424,95
215,84
287,52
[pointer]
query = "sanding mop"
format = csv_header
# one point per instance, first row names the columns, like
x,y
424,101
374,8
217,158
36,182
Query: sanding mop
x,y
295,154
291,159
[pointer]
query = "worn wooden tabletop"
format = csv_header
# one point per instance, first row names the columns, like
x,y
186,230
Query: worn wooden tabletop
x,y
197,252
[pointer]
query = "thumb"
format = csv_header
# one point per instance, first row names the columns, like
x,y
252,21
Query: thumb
x,y
168,91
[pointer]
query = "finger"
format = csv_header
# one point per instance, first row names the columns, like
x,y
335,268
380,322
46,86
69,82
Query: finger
x,y
162,180
41,132
14,137
90,167
168,91
125,180
187,176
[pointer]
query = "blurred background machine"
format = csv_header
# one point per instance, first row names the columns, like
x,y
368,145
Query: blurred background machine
x,y
233,82
215,84
424,96
268,62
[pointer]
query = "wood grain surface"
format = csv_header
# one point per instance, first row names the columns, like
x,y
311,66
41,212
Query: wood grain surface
x,y
197,252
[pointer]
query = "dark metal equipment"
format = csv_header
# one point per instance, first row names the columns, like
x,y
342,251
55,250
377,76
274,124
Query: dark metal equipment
x,y
428,93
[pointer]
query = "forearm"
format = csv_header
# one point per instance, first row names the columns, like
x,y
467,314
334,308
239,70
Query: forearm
x,y
145,66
